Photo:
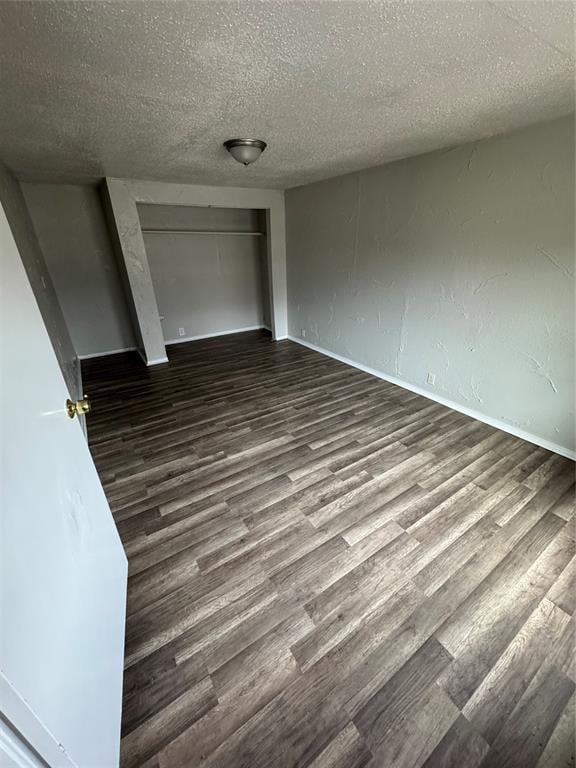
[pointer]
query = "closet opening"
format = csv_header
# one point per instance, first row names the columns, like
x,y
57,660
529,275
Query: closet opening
x,y
209,269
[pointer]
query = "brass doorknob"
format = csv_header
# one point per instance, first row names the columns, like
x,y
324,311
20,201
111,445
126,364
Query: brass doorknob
x,y
78,407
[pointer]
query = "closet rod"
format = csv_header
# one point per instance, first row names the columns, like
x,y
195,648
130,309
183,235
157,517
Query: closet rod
x,y
196,232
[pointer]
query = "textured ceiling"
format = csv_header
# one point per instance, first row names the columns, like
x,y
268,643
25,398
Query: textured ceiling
x,y
151,89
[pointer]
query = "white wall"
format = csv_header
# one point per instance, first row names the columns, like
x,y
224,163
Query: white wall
x,y
206,284
70,224
40,280
458,264
229,289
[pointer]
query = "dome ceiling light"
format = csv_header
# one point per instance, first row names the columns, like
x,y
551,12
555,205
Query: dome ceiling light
x,y
245,151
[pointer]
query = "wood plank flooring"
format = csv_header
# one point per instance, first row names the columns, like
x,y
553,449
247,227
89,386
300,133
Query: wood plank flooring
x,y
329,571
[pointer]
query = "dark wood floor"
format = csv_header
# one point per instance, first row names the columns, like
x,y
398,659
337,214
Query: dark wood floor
x,y
327,570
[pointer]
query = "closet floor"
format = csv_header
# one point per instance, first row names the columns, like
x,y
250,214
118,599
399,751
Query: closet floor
x,y
327,570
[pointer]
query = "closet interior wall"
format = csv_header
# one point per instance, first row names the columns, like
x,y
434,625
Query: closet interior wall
x,y
208,267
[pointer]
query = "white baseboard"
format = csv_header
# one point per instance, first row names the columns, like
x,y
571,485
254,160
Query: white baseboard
x,y
148,363
173,341
497,423
183,339
105,354
157,361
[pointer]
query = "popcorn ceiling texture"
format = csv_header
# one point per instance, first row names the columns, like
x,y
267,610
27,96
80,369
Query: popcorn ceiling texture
x,y
151,89
457,263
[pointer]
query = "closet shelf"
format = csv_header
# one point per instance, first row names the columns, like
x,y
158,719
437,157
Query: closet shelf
x,y
197,232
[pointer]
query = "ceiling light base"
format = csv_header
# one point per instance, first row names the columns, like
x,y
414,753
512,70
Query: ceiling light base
x,y
245,151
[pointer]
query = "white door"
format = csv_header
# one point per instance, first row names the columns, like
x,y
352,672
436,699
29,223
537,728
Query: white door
x,y
63,570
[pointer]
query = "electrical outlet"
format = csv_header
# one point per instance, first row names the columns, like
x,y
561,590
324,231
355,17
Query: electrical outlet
x,y
431,379
181,331
303,332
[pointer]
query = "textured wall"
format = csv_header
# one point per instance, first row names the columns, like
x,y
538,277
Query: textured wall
x,y
456,263
25,236
206,284
125,229
71,228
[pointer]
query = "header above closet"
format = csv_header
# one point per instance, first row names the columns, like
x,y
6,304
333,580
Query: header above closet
x,y
183,220
198,232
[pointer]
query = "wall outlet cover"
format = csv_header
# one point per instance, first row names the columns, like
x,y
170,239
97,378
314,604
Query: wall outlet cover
x,y
431,378
181,331
303,333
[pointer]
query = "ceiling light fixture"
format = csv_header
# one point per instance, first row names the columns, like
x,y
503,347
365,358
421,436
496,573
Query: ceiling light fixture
x,y
245,151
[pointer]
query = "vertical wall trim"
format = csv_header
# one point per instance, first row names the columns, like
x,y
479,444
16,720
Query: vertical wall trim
x,y
128,236
276,253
